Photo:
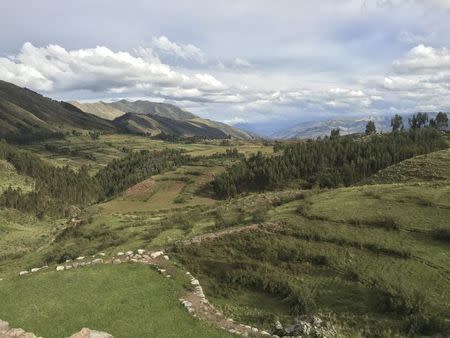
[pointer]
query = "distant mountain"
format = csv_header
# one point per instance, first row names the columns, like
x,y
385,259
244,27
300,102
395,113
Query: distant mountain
x,y
26,115
347,125
153,118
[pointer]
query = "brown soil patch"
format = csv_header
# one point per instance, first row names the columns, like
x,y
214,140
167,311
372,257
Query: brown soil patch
x,y
140,188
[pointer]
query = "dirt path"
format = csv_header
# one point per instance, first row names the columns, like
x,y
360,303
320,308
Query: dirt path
x,y
244,229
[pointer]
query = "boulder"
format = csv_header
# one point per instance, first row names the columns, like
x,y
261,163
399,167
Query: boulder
x,y
23,273
166,257
60,268
120,253
129,253
88,333
156,254
4,326
35,269
97,261
80,258
15,333
141,251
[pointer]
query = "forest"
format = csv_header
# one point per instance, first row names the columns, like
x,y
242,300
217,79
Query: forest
x,y
326,163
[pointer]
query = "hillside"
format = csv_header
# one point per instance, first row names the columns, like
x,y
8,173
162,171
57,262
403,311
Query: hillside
x,y
153,118
26,115
100,109
367,260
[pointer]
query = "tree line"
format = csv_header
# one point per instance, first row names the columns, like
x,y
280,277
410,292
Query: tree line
x,y
330,162
57,188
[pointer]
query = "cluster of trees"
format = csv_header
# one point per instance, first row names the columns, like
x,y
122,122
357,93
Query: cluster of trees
x,y
330,162
55,187
417,121
122,173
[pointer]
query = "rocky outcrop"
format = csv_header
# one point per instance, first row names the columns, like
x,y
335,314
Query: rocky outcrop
x,y
88,333
306,326
8,332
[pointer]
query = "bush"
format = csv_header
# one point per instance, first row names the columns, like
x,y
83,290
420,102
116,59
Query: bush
x,y
441,234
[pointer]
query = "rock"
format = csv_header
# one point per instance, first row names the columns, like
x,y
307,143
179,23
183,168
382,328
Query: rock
x,y
254,329
265,333
129,253
102,254
68,260
68,267
166,257
141,251
4,326
35,269
59,268
156,254
97,261
195,282
23,273
15,332
88,333
75,265
117,261
80,258
278,325
120,253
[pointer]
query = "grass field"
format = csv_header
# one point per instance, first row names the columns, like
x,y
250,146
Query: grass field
x,y
76,151
371,258
126,301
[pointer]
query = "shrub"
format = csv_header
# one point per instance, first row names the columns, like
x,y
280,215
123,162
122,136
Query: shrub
x,y
441,234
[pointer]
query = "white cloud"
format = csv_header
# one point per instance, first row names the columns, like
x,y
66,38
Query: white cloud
x,y
187,52
241,63
54,69
423,59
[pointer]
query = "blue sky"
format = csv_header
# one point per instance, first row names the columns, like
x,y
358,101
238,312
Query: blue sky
x,y
235,61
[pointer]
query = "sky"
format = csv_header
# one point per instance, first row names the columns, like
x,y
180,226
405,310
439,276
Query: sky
x,y
246,61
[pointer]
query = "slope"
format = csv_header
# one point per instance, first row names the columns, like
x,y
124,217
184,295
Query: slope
x,y
26,115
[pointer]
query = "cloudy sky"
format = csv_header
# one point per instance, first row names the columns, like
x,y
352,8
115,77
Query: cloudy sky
x,y
235,60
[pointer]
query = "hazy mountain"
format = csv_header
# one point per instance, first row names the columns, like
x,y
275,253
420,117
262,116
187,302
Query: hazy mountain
x,y
152,118
100,109
26,115
347,125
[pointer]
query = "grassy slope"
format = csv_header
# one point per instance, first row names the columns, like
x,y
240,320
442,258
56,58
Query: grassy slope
x,y
10,178
126,301
345,227
333,224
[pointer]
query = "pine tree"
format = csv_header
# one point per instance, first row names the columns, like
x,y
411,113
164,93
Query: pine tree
x,y
370,128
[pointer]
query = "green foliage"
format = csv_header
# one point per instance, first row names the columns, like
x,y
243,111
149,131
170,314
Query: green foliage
x,y
55,189
418,121
120,174
397,123
442,234
370,128
327,163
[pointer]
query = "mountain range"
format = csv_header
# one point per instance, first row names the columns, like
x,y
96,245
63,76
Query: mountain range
x,y
29,116
153,118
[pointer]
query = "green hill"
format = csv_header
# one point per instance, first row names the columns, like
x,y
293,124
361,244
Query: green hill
x,y
153,118
26,115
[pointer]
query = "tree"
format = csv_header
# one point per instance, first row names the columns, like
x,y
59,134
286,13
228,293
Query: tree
x,y
370,128
441,121
335,133
397,123
418,121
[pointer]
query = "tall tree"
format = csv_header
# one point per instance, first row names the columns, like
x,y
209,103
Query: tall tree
x,y
335,133
397,123
441,121
370,128
418,120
